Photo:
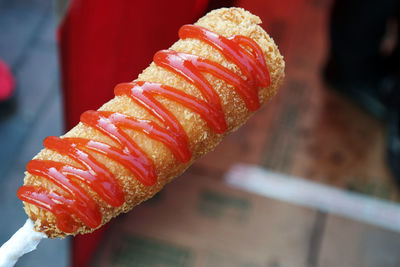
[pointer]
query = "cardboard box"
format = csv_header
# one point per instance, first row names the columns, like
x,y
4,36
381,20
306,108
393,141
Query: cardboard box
x,y
198,221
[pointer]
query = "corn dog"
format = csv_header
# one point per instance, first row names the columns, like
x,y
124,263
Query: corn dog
x,y
204,87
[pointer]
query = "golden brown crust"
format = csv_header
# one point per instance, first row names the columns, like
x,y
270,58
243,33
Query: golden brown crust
x,y
226,22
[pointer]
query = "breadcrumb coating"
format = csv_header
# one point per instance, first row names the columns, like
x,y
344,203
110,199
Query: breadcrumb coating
x,y
225,22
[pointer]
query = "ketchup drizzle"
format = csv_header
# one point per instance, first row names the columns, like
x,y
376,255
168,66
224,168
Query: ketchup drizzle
x,y
76,203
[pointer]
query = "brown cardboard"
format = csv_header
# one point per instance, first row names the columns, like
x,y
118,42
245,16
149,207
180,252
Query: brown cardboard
x,y
198,221
348,243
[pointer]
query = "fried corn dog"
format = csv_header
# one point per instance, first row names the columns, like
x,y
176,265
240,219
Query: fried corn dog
x,y
204,87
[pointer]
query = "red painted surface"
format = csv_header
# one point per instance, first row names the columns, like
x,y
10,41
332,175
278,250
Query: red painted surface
x,y
103,43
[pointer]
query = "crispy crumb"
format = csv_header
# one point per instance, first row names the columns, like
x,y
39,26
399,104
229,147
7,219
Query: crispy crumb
x,y
224,21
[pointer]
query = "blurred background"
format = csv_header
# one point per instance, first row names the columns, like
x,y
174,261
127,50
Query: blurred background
x,y
310,180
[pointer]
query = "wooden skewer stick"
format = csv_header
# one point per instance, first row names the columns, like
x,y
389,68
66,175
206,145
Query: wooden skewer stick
x,y
23,241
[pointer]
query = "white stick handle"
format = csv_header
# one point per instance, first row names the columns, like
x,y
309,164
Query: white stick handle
x,y
23,241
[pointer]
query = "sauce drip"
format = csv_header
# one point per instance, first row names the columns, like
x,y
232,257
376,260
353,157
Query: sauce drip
x,y
77,203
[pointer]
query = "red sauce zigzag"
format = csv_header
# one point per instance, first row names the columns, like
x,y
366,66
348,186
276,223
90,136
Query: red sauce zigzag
x,y
76,201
